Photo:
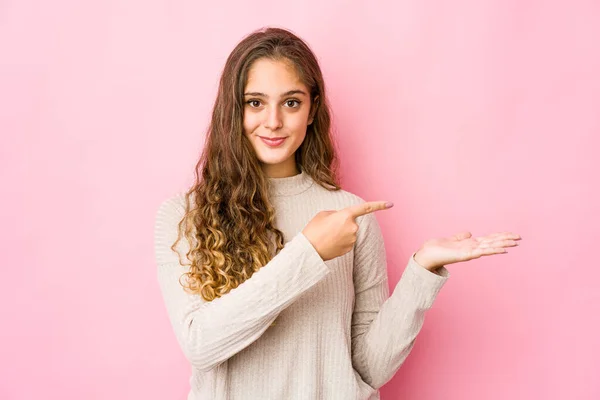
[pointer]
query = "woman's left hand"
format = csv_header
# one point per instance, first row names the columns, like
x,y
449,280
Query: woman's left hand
x,y
462,247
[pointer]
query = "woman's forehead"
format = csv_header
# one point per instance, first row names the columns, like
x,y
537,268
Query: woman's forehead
x,y
273,78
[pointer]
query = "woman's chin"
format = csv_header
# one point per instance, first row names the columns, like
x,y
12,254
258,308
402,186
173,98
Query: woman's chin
x,y
272,161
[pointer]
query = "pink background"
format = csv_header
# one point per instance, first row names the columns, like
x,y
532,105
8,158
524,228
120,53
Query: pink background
x,y
476,115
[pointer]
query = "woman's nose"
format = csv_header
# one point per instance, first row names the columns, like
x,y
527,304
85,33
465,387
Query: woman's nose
x,y
273,118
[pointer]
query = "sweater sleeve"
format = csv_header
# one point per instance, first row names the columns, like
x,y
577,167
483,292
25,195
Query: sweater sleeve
x,y
384,328
211,332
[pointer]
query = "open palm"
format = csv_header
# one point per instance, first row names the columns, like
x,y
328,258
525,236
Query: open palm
x,y
463,247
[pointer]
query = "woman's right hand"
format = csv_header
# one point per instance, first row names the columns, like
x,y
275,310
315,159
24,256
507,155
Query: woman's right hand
x,y
333,233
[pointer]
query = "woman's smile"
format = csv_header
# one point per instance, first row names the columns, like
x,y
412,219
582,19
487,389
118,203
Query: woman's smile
x,y
273,142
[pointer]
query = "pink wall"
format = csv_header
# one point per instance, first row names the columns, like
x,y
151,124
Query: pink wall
x,y
477,115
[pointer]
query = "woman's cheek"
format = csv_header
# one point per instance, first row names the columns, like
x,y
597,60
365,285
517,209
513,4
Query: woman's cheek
x,y
250,124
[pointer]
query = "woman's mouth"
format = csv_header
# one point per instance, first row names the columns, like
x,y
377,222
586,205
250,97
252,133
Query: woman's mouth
x,y
273,142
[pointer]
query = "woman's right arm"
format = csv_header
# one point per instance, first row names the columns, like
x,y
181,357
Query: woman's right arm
x,y
211,332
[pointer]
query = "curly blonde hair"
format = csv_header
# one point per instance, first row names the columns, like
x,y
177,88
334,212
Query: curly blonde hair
x,y
230,226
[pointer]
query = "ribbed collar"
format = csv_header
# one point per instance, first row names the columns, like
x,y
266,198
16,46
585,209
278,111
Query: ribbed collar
x,y
290,185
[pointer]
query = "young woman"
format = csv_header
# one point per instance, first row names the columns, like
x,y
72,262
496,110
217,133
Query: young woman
x,y
283,293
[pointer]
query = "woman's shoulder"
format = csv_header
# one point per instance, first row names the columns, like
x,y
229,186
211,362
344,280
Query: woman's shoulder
x,y
172,203
169,213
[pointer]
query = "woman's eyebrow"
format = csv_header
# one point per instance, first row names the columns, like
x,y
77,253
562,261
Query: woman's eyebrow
x,y
288,93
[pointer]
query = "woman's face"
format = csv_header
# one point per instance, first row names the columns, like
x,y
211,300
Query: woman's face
x,y
276,105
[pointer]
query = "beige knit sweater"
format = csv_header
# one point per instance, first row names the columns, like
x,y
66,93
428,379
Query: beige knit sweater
x,y
338,334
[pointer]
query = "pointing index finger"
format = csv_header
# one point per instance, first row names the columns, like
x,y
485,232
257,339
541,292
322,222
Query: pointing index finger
x,y
368,207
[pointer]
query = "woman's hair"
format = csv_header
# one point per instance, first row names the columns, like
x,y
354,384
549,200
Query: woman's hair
x,y
230,227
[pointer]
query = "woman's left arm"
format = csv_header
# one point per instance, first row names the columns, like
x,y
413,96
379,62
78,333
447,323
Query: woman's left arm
x,y
384,328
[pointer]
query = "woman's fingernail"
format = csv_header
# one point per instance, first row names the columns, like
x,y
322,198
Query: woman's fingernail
x,y
389,204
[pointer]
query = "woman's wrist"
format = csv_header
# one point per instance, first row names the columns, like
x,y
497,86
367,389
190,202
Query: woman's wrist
x,y
421,259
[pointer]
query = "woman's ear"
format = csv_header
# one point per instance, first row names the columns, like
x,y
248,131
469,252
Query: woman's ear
x,y
313,109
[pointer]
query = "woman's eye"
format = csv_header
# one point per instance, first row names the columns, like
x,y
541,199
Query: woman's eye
x,y
253,103
292,103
